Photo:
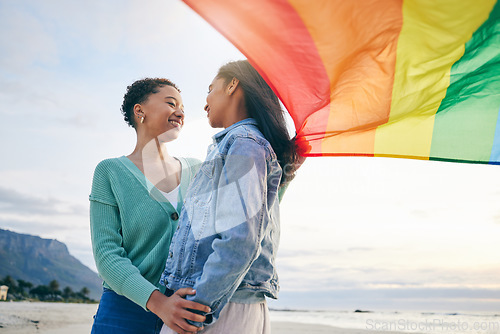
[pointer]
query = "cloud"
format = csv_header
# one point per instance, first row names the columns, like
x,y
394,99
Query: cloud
x,y
36,226
293,254
403,298
68,63
419,214
12,201
414,293
360,249
372,269
27,41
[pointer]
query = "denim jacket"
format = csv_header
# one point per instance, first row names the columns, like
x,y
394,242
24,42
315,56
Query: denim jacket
x,y
228,232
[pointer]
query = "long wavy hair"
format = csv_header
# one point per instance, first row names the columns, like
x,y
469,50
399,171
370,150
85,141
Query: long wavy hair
x,y
263,105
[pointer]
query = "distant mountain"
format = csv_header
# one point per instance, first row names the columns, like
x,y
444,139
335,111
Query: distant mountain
x,y
40,261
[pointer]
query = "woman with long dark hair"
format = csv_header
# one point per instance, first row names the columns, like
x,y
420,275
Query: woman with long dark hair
x,y
262,104
228,235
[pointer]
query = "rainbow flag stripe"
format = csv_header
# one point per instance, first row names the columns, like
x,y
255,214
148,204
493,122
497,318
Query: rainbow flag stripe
x,y
411,79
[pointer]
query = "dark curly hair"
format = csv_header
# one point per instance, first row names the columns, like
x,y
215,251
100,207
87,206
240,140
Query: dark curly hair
x,y
138,92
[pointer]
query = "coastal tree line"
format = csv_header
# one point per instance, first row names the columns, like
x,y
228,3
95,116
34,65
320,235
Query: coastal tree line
x,y
23,290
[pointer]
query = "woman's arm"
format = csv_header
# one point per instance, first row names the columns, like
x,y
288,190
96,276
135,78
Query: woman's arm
x,y
116,269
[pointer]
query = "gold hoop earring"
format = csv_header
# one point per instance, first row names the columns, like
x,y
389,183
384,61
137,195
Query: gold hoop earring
x,y
142,119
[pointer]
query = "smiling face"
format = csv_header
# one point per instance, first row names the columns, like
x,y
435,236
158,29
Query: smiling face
x,y
217,103
163,114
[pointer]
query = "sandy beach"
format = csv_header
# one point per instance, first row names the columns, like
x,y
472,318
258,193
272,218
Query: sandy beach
x,y
45,318
60,318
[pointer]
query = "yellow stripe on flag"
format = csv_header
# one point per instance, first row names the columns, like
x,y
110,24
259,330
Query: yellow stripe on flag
x,y
432,39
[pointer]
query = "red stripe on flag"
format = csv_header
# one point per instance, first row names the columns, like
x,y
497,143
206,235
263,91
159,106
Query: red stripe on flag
x,y
277,43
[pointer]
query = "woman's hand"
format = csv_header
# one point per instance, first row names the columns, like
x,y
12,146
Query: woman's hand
x,y
174,311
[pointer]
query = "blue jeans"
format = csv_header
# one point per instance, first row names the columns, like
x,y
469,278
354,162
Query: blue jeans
x,y
118,314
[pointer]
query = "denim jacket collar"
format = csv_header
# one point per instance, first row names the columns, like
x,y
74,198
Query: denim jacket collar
x,y
218,136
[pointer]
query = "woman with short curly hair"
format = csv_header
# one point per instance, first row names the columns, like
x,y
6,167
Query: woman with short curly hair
x,y
135,204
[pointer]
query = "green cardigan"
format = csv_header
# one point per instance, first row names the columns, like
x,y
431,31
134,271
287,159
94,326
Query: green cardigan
x,y
132,225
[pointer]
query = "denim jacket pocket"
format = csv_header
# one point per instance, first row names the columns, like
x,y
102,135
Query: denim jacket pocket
x,y
201,191
203,186
208,168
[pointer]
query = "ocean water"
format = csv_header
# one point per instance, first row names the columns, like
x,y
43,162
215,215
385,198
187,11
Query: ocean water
x,y
406,322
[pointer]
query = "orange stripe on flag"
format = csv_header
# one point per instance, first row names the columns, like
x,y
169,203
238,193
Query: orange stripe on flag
x,y
357,42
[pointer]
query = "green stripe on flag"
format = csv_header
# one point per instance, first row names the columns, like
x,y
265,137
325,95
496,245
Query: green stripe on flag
x,y
466,120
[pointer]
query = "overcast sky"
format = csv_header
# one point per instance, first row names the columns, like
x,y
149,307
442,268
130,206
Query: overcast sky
x,y
374,233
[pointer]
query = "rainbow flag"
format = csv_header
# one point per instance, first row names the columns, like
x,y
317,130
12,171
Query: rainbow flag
x,y
411,79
